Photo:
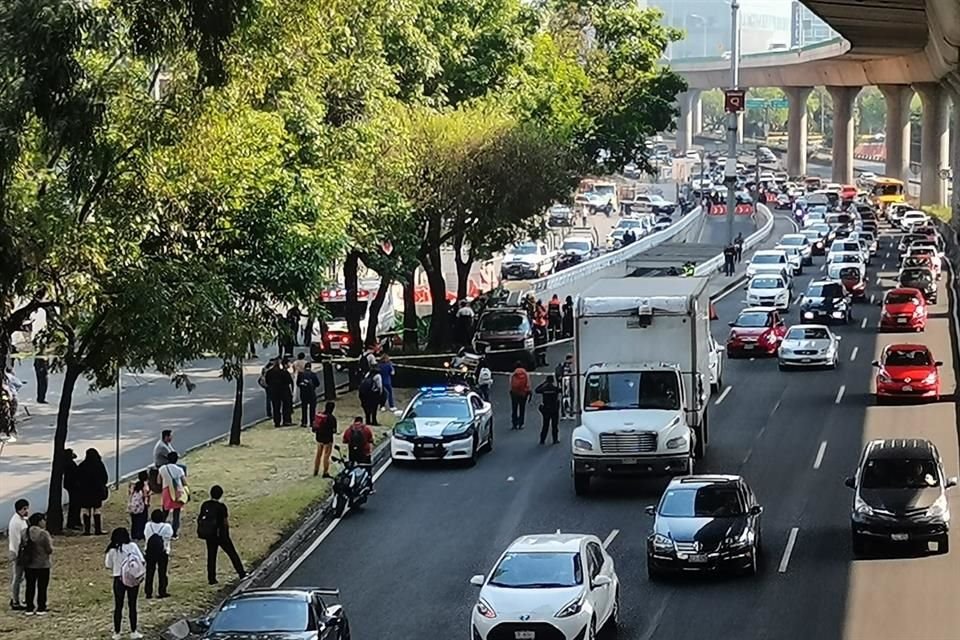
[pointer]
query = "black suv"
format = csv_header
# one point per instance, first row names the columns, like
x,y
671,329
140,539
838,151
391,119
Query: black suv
x,y
826,301
505,335
900,495
920,278
705,523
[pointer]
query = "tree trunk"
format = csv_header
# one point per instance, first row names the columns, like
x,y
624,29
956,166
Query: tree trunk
x,y
351,267
7,419
440,310
329,383
411,339
55,495
375,305
236,423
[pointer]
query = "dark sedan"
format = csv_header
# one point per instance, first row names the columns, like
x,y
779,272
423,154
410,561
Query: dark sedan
x,y
920,278
705,523
278,614
825,301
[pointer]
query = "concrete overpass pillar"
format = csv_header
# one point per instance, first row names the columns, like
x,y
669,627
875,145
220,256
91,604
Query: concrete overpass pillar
x,y
843,136
934,143
685,123
897,132
953,84
797,130
697,109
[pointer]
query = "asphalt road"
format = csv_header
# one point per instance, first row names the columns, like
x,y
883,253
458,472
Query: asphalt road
x,y
403,563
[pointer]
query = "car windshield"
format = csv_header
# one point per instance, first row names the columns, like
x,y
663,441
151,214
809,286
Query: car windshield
x,y
752,319
916,275
901,298
807,333
812,234
439,407
628,223
922,251
769,258
849,273
504,322
714,501
766,283
908,358
899,473
524,249
604,189
848,258
576,245
828,290
538,570
821,228
262,615
792,241
632,390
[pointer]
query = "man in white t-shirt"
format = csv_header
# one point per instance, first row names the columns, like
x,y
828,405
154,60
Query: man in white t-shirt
x,y
15,531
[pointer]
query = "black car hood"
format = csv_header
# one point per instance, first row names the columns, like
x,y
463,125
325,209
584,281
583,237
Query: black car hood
x,y
708,531
899,501
282,635
923,285
819,303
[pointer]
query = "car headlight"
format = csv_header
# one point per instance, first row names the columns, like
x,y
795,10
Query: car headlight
x,y
837,314
918,312
883,376
662,543
484,609
572,608
743,540
808,315
938,509
931,378
862,508
785,350
782,295
677,443
405,429
580,443
458,429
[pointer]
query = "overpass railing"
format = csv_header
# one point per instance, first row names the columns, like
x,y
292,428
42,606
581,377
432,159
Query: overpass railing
x,y
765,219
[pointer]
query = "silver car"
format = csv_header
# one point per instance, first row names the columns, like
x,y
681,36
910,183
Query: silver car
x,y
809,345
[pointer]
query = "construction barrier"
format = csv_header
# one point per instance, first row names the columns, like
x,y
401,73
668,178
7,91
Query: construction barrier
x,y
745,209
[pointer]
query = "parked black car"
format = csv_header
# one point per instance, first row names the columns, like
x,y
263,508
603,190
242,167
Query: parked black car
x,y
278,614
901,495
826,301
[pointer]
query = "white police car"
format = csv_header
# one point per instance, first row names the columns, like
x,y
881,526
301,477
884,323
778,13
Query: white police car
x,y
443,423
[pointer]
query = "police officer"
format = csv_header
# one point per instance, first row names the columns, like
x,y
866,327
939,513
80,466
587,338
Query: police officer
x,y
549,409
554,317
729,256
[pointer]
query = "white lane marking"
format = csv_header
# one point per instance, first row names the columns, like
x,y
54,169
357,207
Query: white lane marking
x,y
773,411
746,458
819,460
610,538
788,550
873,299
509,478
886,255
884,266
853,354
878,278
823,267
323,536
840,391
724,393
863,323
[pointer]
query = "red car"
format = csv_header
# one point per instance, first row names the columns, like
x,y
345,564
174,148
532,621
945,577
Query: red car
x,y
904,308
907,371
756,331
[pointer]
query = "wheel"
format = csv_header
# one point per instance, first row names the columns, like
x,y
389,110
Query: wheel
x,y
782,366
339,505
344,630
611,627
472,460
835,363
754,566
943,544
859,545
881,400
700,445
487,448
592,631
581,483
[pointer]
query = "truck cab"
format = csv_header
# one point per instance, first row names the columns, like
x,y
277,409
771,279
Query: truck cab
x,y
642,351
528,261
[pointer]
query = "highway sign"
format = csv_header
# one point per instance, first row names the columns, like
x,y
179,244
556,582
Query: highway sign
x,y
761,103
756,103
733,100
779,103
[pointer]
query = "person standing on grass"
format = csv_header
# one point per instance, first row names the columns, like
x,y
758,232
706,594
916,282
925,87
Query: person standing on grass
x,y
72,489
307,382
387,371
213,526
370,393
36,565
16,528
324,430
138,506
297,367
262,381
173,479
92,489
124,560
158,534
41,367
280,391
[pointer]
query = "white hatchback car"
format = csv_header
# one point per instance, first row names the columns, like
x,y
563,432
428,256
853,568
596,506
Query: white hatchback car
x,y
768,290
560,585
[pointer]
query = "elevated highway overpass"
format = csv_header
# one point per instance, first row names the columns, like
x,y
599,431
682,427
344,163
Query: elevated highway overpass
x,y
904,47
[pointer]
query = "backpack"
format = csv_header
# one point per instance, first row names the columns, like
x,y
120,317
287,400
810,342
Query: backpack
x,y
519,382
367,387
207,525
155,549
25,551
364,363
135,503
358,440
319,421
132,569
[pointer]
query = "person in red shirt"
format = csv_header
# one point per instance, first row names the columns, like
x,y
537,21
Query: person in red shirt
x,y
359,440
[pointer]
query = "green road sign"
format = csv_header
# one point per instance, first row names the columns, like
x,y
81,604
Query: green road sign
x,y
756,103
779,103
761,103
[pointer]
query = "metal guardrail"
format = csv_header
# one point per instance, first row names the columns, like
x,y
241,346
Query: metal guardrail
x,y
707,268
590,267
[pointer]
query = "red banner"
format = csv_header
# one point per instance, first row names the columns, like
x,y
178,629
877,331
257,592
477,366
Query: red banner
x,y
740,210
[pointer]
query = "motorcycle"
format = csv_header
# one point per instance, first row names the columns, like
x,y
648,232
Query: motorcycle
x,y
351,486
463,369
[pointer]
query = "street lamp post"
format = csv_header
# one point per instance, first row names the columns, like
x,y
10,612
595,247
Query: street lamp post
x,y
731,168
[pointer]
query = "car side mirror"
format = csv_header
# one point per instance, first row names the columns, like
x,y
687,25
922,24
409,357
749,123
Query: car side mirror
x,y
651,510
600,581
335,613
731,324
199,625
486,407
756,510
477,580
875,363
951,482
851,482
938,363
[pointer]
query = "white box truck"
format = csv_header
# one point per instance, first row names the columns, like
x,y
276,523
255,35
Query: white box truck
x,y
642,350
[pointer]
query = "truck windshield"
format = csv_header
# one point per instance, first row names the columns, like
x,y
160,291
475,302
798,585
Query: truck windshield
x,y
505,322
632,390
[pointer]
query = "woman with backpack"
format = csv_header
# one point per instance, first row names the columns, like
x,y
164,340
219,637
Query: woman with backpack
x,y
92,490
519,395
127,567
36,547
158,534
138,505
324,429
173,479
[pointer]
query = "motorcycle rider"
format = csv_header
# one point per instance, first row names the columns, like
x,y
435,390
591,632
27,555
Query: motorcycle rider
x,y
484,381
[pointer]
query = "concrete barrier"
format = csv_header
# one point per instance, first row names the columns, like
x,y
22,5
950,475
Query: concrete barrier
x,y
765,219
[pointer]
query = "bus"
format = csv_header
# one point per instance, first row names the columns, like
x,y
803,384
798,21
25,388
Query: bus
x,y
886,191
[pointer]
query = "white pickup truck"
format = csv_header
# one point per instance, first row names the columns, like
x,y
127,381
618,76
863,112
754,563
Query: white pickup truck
x,y
528,261
642,351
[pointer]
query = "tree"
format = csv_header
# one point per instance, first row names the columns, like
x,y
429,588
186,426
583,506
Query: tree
x,y
759,120
871,111
711,109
